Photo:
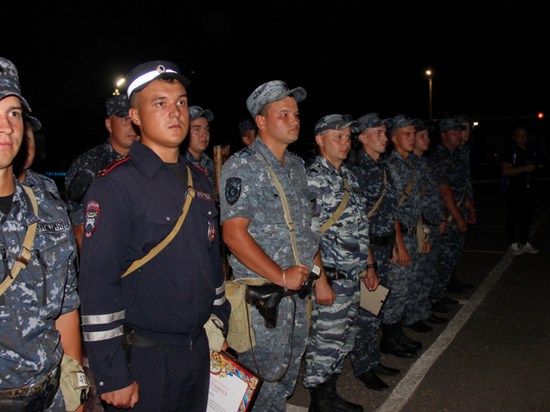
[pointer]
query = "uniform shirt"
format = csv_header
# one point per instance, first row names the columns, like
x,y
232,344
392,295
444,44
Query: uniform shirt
x,y
82,173
463,152
518,157
401,171
206,164
29,342
33,179
131,209
431,203
258,201
451,170
370,175
345,245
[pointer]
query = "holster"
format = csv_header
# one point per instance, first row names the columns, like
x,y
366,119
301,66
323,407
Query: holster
x,y
127,343
306,289
266,299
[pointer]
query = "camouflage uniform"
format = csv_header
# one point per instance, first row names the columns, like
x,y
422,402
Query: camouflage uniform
x,y
82,173
29,343
206,164
431,203
344,248
450,170
257,200
401,278
33,179
463,152
370,175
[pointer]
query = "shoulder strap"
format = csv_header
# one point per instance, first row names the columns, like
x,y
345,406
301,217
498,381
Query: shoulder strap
x,y
423,191
156,250
286,209
25,254
380,198
336,215
407,191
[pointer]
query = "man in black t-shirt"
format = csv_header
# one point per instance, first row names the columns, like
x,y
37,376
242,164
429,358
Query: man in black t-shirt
x,y
519,164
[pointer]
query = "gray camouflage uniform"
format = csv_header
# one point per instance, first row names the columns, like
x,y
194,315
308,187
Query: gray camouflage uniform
x,y
29,343
249,192
206,164
344,248
370,174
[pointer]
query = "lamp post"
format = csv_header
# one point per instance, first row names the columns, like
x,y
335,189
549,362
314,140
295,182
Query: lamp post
x,y
429,73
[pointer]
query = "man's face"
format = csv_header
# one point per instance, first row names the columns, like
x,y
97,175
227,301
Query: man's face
x,y
520,136
335,145
162,114
248,137
121,131
199,136
422,141
374,140
466,133
282,122
11,129
403,138
451,139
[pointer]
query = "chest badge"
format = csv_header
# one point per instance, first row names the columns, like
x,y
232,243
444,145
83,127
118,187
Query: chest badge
x,y
211,232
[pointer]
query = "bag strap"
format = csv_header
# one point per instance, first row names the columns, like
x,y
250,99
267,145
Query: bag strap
x,y
423,191
286,209
25,254
407,190
450,217
380,198
336,215
156,250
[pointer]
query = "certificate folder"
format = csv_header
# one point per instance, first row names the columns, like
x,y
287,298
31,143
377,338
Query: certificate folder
x,y
233,386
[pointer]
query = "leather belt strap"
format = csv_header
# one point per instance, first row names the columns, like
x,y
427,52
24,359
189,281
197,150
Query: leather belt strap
x,y
29,390
334,218
380,198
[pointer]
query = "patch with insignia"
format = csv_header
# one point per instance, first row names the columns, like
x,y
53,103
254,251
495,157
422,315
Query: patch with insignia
x,y
203,195
92,218
232,190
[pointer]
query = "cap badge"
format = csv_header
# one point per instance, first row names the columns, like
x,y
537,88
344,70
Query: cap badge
x,y
161,69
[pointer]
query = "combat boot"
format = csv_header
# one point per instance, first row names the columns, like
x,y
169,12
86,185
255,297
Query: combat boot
x,y
406,341
321,398
338,403
391,342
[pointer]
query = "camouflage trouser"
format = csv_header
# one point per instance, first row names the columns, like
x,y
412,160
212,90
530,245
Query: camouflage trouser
x,y
366,354
400,279
449,254
418,305
273,353
332,333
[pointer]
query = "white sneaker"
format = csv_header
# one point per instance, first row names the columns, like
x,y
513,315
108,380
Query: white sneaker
x,y
515,249
528,248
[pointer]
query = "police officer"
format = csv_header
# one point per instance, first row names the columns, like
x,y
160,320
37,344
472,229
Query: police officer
x,y
199,139
404,271
39,306
452,174
85,168
381,205
164,304
256,232
341,222
247,131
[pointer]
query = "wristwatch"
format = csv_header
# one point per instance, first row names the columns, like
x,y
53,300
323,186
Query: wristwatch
x,y
372,266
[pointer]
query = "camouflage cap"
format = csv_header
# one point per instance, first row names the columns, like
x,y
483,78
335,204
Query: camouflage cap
x,y
451,124
195,112
270,92
419,125
140,76
9,82
370,120
33,121
400,121
464,119
118,106
334,122
246,125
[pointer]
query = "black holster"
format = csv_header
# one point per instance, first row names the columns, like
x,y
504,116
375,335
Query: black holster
x,y
266,299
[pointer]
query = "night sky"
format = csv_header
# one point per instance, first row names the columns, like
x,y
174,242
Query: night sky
x,y
351,57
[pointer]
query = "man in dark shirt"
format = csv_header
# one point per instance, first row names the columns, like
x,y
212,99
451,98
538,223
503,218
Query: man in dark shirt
x,y
519,164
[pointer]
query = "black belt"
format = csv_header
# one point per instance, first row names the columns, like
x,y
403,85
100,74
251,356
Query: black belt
x,y
333,274
410,231
387,240
427,222
31,398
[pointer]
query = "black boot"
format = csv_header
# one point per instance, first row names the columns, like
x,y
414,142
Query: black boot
x,y
408,342
391,342
338,403
372,381
320,398
384,370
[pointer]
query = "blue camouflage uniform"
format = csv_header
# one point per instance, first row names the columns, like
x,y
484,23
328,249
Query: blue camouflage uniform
x,y
33,179
344,249
431,204
29,343
370,175
82,173
401,278
463,152
248,191
131,209
206,164
450,169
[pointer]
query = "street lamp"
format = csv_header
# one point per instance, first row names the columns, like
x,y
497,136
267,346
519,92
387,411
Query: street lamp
x,y
119,83
429,73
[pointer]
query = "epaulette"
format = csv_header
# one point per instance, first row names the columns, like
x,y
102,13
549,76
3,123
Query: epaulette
x,y
246,152
112,165
313,171
297,157
200,168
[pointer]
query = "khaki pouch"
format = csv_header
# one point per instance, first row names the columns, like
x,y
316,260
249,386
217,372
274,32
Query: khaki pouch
x,y
73,382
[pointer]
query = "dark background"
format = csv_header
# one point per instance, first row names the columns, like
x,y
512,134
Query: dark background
x,y
489,58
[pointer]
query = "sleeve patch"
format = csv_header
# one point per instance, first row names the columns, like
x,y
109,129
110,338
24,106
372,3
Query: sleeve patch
x,y
92,218
232,190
